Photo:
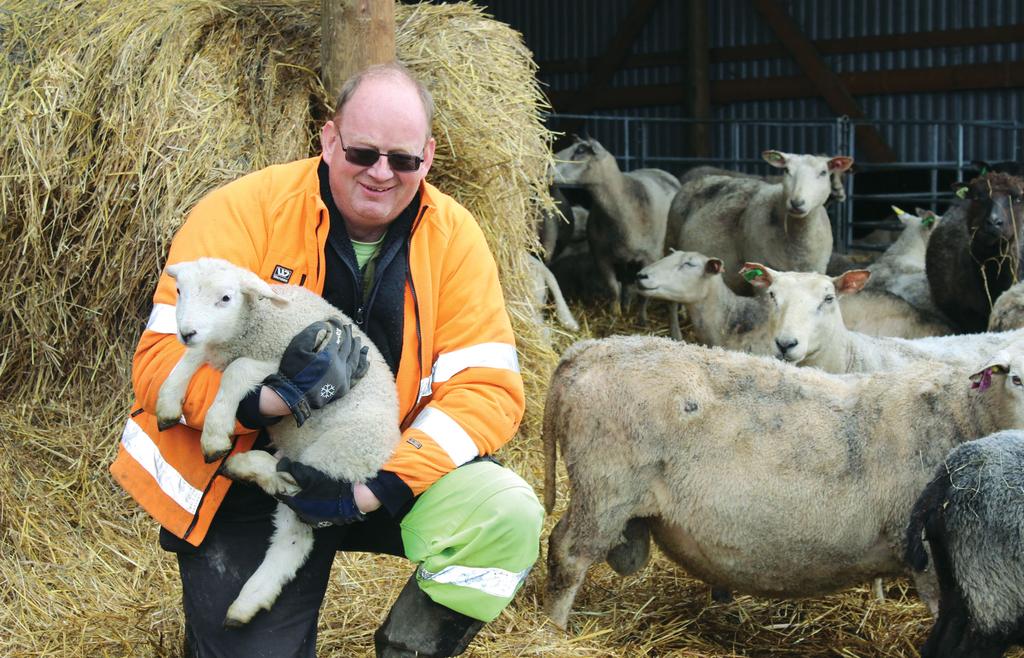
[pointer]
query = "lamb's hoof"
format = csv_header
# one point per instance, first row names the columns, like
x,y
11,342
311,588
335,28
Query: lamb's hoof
x,y
166,423
237,617
230,622
215,455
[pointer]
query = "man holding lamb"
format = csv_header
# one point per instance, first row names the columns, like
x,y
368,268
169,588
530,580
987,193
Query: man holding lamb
x,y
360,226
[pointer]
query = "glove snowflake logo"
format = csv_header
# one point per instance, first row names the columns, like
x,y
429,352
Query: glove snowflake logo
x,y
327,391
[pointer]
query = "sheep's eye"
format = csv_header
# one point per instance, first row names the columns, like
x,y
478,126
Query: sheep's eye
x,y
1016,380
177,291
822,173
1017,200
771,295
225,299
829,299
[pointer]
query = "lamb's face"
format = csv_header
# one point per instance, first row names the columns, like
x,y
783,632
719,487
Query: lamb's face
x,y
211,308
807,180
682,276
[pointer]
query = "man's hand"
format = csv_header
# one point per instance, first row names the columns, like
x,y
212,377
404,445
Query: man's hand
x,y
319,365
322,501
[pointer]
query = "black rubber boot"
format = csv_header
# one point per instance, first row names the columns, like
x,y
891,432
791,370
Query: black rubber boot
x,y
418,627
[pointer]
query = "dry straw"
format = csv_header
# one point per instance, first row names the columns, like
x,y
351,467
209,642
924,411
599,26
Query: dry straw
x,y
119,115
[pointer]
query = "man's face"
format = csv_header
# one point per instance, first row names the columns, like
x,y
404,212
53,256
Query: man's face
x,y
385,113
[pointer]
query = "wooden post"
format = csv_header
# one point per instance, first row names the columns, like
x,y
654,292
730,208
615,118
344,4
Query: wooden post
x,y
699,87
353,35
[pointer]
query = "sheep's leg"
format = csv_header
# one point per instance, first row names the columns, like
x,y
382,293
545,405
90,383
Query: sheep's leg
x,y
604,267
172,392
289,547
878,590
240,377
260,468
582,537
673,321
562,311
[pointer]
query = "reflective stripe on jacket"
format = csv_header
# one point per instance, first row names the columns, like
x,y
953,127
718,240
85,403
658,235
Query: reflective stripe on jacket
x,y
459,388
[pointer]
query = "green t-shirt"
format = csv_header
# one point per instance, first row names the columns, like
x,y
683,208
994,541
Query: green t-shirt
x,y
365,252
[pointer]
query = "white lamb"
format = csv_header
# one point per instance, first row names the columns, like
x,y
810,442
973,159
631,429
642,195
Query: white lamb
x,y
234,321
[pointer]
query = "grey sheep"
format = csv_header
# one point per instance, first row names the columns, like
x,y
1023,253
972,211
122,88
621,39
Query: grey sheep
x,y
752,474
972,515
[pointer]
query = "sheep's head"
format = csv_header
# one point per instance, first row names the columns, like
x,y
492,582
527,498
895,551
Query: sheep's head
x,y
803,310
1001,381
808,178
579,163
996,211
214,299
682,276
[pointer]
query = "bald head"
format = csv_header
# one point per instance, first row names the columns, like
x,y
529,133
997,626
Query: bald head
x,y
391,70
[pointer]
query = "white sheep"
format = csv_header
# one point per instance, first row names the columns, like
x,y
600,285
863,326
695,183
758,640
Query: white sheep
x,y
752,474
806,327
719,316
1008,311
882,313
234,321
971,513
542,285
743,219
628,217
838,192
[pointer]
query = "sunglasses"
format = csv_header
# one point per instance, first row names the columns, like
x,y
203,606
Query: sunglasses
x,y
367,157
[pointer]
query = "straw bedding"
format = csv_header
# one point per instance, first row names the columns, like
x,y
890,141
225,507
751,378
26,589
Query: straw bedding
x,y
117,116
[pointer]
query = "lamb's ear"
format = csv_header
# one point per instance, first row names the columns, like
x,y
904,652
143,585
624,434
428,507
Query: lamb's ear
x,y
713,266
775,158
999,364
928,218
902,215
756,275
253,285
173,270
840,163
851,282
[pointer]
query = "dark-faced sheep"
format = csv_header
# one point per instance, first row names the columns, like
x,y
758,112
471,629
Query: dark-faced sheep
x,y
975,252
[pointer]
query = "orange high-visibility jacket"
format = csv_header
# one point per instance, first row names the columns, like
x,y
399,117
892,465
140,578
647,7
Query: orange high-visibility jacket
x,y
459,388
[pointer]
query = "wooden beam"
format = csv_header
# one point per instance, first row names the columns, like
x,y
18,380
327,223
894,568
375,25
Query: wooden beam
x,y
828,84
892,42
610,62
354,35
1000,75
699,89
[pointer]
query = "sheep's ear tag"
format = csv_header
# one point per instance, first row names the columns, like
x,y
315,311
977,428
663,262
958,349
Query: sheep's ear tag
x,y
983,379
928,219
899,211
752,274
962,192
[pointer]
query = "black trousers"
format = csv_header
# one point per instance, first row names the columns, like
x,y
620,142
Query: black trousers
x,y
212,575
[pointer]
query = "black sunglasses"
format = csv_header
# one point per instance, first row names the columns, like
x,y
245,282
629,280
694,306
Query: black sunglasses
x,y
367,157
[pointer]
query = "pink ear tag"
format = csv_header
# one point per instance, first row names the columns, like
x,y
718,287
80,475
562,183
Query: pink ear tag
x,y
984,380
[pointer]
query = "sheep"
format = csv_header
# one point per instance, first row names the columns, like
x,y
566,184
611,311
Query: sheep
x,y
719,316
970,514
752,474
627,221
737,219
975,252
234,321
543,283
806,326
1008,311
900,269
837,193
881,313
555,228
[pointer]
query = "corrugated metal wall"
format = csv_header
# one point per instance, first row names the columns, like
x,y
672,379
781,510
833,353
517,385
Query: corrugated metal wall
x,y
563,29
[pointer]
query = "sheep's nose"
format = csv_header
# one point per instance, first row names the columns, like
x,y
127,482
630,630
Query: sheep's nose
x,y
786,344
996,219
641,276
797,204
186,336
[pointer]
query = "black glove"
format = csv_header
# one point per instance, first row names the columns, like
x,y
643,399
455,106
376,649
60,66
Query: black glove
x,y
323,500
319,365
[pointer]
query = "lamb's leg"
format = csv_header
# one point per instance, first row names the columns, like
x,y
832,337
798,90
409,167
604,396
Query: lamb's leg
x,y
289,547
172,392
260,468
240,377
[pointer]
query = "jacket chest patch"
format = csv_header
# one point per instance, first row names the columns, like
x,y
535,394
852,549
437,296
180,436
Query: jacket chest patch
x,y
281,274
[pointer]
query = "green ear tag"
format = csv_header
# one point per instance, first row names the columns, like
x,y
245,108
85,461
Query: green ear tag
x,y
750,275
962,193
928,220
